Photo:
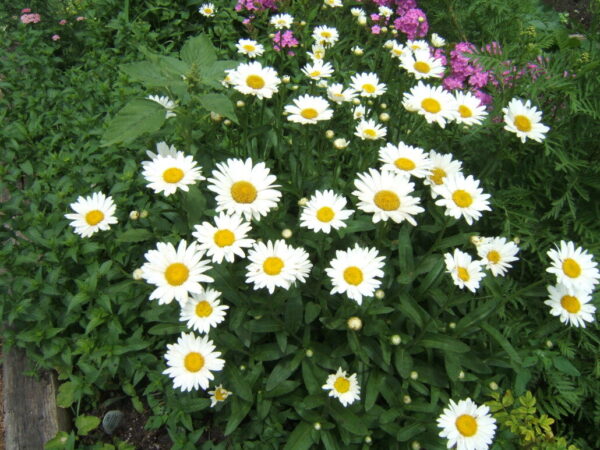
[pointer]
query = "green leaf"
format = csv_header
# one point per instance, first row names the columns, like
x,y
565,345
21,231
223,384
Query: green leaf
x,y
410,431
146,73
328,441
300,438
62,441
445,343
565,366
373,387
500,339
477,315
194,205
311,312
164,328
214,74
220,104
348,420
239,410
134,119
264,325
239,384
198,50
85,424
403,362
66,394
405,250
135,235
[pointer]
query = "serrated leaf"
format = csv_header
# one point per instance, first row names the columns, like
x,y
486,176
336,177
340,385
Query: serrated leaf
x,y
218,103
146,73
134,119
66,394
198,50
85,424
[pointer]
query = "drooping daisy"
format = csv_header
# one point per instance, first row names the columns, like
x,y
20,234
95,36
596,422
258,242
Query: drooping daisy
x,y
170,171
324,211
462,197
357,12
416,45
386,194
359,112
191,362
220,394
345,388
250,47
524,120
367,84
317,53
276,264
254,79
422,65
333,3
442,166
571,305
356,272
326,36
175,272
465,271
470,109
225,239
370,130
92,214
280,21
398,50
573,267
385,11
437,40
166,103
467,426
497,254
203,311
207,9
244,188
405,160
336,93
434,103
318,70
308,109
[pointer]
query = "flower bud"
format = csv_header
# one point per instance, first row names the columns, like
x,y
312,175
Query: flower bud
x,y
379,294
340,143
285,79
303,201
134,215
143,214
286,233
493,386
384,117
452,325
240,104
215,117
414,375
362,20
309,353
415,445
354,323
549,343
329,134
368,439
227,122
356,101
317,426
406,399
461,375
137,274
396,339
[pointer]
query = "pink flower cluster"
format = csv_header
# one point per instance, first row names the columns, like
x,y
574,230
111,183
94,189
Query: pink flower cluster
x,y
413,23
256,5
29,17
283,40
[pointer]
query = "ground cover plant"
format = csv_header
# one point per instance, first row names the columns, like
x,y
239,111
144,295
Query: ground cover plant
x,y
292,224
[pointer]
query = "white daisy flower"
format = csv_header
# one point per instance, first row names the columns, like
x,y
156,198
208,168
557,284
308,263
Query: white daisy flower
x,y
326,36
467,426
415,45
465,272
176,273
318,70
191,362
317,53
276,264
470,109
225,239
524,120
220,394
166,103
243,188
308,109
462,197
437,40
170,171
385,11
421,64
333,3
434,103
497,254
357,12
405,160
324,211
203,311
345,388
357,50
359,112
571,305
442,166
281,21
336,93
254,79
573,267
207,9
92,214
356,272
398,50
367,84
250,47
370,130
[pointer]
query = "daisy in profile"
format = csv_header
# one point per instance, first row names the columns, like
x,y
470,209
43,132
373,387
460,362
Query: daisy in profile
x,y
434,103
207,10
191,362
243,188
203,311
93,213
324,211
225,239
220,394
276,264
367,85
437,40
317,70
398,50
462,197
442,166
417,45
250,47
572,306
370,130
573,267
175,272
337,94
470,109
386,195
405,160
281,21
467,426
421,64
308,109
345,388
465,272
497,254
325,36
170,170
317,53
359,112
254,79
166,103
333,3
524,120
356,272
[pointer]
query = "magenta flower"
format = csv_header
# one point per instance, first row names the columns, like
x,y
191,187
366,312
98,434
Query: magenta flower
x,y
55,37
413,23
285,39
31,18
63,22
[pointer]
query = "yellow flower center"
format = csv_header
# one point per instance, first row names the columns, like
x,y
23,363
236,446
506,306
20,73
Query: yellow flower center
x,y
193,361
462,198
173,175
422,67
523,123
465,112
387,200
342,385
325,34
249,48
353,275
255,82
405,164
94,217
309,113
415,47
463,274
325,214
466,425
203,309
493,256
176,274
315,73
370,132
570,303
571,268
224,238
220,394
431,105
437,176
273,265
397,52
369,88
243,192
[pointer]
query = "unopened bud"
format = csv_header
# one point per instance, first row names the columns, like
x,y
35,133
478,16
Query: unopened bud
x,y
358,51
309,353
362,20
517,240
329,134
476,240
285,79
356,101
354,323
137,274
303,201
368,439
383,106
379,294
242,367
396,339
317,426
286,234
143,214
452,325
415,445
461,375
215,117
549,343
240,104
134,215
406,399
227,122
384,117
414,375
340,143
493,386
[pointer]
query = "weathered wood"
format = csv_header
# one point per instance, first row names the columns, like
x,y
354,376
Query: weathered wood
x,y
31,416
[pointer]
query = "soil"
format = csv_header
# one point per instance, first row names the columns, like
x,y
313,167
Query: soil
x,y
579,10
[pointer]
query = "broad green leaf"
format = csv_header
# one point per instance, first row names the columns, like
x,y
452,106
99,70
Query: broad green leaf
x,y
146,73
66,394
238,382
565,366
215,73
311,312
198,50
477,315
432,276
348,420
134,235
194,204
300,438
500,339
264,325
329,441
403,362
445,343
412,310
85,424
169,66
410,431
239,410
218,103
372,391
134,119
